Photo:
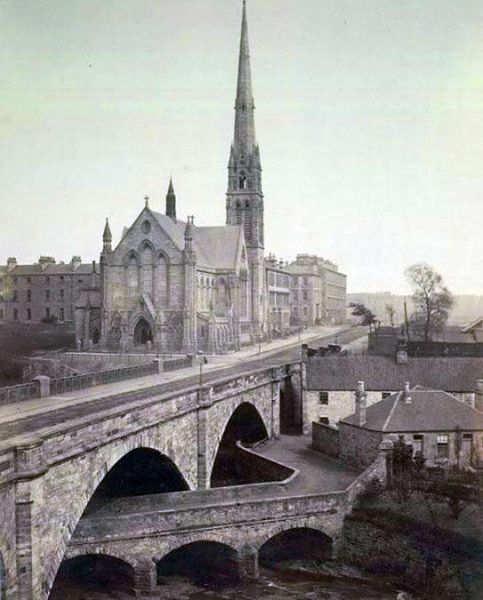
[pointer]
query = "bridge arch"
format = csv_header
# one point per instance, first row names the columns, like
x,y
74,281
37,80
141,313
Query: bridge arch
x,y
94,572
202,561
295,543
90,471
245,424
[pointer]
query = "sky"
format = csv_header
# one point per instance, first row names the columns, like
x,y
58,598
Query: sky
x,y
369,119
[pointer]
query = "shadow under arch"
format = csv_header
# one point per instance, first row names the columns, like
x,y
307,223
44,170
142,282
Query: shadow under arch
x,y
3,579
204,562
93,573
140,472
232,465
297,543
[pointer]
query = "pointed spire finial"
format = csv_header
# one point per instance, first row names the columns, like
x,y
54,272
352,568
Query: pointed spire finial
x,y
171,201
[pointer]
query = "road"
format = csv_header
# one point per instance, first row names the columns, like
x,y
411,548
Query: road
x,y
22,422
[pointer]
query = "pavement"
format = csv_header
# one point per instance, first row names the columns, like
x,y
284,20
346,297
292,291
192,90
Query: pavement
x,y
34,415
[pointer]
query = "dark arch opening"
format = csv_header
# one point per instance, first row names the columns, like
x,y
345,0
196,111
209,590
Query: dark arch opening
x,y
82,576
203,563
298,544
3,579
142,333
233,466
290,410
142,471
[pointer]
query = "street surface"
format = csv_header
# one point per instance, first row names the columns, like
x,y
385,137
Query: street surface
x,y
32,416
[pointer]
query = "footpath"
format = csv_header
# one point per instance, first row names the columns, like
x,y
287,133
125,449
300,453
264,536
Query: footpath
x,y
37,406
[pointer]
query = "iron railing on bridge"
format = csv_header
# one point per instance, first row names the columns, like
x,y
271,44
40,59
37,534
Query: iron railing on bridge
x,y
19,393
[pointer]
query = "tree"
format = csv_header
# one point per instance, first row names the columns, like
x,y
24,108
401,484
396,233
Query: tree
x,y
368,317
432,299
391,313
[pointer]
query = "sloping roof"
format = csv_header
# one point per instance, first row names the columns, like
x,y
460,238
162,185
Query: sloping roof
x,y
380,373
429,410
215,247
53,269
477,323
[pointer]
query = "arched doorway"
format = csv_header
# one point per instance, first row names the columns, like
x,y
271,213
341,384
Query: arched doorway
x,y
203,562
3,579
143,333
84,576
298,544
142,471
232,465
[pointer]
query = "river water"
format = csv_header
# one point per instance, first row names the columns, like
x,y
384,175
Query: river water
x,y
272,585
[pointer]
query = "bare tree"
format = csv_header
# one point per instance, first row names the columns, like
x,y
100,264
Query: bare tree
x,y
432,299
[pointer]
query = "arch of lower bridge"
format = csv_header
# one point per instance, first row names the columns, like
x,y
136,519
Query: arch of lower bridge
x,y
94,571
296,543
93,475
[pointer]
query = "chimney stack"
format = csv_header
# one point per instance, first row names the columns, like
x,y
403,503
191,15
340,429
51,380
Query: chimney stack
x,y
11,263
407,393
361,404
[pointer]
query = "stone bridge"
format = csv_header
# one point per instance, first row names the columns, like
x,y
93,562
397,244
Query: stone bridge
x,y
59,484
47,478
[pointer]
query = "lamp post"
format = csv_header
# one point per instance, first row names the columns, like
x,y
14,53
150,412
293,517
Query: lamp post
x,y
203,361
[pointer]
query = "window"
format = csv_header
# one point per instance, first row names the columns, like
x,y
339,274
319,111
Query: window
x,y
1,314
47,294
324,398
29,314
61,314
62,278
29,280
15,314
62,294
15,296
47,312
306,295
306,311
80,280
386,395
324,420
418,443
306,280
29,295
442,446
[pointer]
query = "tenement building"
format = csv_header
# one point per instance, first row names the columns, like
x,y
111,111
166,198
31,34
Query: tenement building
x,y
278,281
319,291
46,291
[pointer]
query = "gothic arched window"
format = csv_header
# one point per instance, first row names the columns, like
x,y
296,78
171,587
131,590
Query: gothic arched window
x,y
132,276
147,270
243,181
162,280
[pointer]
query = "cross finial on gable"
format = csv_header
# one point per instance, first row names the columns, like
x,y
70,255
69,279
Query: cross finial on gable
x,y
146,199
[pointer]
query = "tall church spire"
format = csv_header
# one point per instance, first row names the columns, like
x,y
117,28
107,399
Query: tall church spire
x,y
245,138
244,203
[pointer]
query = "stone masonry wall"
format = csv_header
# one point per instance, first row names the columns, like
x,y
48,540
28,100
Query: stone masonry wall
x,y
358,445
325,439
8,546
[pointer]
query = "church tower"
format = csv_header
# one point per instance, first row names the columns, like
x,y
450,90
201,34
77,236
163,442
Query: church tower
x,y
244,198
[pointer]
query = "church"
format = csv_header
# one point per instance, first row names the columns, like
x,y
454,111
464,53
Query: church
x,y
174,286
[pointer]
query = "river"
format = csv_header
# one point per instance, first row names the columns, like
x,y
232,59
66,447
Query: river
x,y
272,585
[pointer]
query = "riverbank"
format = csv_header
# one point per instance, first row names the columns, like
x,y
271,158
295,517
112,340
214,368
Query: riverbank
x,y
418,544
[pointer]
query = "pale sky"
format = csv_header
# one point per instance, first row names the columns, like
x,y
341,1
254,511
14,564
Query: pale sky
x,y
369,119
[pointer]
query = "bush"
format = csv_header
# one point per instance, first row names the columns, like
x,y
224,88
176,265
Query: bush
x,y
372,491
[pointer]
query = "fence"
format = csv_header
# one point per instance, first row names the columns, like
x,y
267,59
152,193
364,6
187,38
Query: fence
x,y
79,382
444,487
19,393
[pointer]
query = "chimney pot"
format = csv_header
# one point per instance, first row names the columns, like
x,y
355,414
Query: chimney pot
x,y
407,393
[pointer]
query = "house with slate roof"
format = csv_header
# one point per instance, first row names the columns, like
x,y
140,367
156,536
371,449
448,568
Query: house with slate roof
x,y
444,429
329,382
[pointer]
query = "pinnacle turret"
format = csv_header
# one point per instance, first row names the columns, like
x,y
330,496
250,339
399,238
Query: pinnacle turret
x,y
171,201
107,236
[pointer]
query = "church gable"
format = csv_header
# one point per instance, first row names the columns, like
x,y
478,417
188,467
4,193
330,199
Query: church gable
x,y
146,231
